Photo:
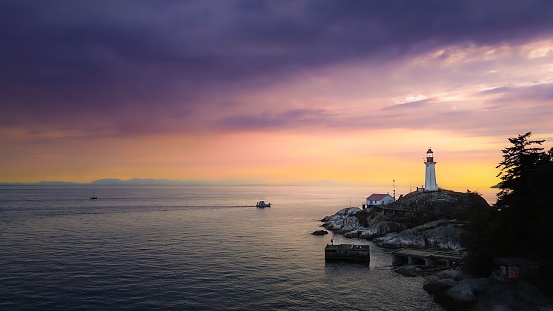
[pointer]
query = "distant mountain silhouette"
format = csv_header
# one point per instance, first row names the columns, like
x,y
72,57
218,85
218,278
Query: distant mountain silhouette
x,y
56,183
139,182
159,182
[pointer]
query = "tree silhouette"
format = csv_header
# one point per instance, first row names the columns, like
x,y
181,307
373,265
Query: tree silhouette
x,y
520,161
520,225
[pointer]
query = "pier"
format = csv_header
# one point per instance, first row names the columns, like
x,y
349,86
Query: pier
x,y
347,252
427,258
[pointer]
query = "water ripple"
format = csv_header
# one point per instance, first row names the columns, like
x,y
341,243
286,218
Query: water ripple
x,y
184,249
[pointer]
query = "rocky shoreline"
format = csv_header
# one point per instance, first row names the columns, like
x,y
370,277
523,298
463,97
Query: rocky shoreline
x,y
437,220
456,290
418,220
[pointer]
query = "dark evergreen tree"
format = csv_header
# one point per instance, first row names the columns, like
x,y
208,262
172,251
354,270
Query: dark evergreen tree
x,y
519,162
520,225
516,201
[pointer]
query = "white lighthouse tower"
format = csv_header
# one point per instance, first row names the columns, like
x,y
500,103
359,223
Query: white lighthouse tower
x,y
430,176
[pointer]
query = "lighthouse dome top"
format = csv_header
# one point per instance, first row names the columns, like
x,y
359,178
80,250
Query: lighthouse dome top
x,y
429,155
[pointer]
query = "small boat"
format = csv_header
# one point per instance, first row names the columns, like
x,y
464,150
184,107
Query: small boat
x,y
93,197
262,204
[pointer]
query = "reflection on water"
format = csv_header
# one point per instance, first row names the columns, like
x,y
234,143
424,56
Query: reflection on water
x,y
184,248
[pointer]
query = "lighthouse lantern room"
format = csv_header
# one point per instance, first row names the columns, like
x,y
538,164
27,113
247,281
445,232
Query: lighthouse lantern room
x,y
430,176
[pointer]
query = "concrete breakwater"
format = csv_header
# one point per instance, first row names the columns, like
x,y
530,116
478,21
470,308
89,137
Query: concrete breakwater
x,y
427,258
348,252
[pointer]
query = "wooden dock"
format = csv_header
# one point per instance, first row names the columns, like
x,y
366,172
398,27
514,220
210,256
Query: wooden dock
x,y
425,257
348,252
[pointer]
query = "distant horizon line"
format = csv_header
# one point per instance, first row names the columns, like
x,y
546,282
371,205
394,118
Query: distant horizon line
x,y
195,182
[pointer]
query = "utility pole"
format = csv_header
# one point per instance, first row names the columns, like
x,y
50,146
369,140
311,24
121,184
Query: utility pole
x,y
394,185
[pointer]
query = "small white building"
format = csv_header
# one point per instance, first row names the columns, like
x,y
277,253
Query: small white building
x,y
379,199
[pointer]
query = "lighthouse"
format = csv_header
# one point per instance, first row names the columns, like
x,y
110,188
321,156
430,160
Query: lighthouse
x,y
430,176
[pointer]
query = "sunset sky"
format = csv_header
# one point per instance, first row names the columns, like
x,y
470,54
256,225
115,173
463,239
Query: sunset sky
x,y
353,92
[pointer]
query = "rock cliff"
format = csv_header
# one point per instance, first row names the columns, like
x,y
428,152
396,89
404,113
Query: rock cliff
x,y
455,292
419,219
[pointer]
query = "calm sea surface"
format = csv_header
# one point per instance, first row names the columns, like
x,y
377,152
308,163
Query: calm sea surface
x,y
187,248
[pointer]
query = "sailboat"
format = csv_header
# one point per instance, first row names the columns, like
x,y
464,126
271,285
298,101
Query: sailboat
x,y
93,197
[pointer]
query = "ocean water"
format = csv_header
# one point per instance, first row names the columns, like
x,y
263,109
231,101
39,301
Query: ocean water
x,y
187,248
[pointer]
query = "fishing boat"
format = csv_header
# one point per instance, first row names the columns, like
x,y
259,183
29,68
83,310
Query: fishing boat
x,y
262,204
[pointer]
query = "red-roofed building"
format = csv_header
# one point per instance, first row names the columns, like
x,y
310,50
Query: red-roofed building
x,y
379,199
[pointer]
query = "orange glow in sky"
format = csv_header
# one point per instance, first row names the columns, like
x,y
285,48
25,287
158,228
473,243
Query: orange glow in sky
x,y
272,112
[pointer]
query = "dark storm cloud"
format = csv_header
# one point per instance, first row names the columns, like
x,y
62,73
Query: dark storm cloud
x,y
72,61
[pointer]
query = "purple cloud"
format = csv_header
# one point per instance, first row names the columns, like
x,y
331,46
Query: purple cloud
x,y
139,64
409,105
296,118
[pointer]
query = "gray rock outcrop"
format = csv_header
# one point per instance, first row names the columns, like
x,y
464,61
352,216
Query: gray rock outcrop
x,y
419,219
441,234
